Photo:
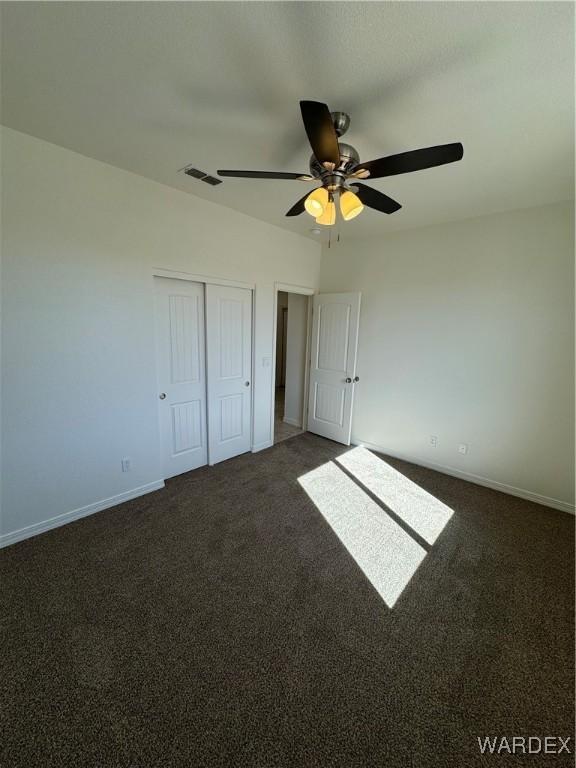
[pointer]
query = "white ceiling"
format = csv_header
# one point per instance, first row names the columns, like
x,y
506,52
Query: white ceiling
x,y
152,87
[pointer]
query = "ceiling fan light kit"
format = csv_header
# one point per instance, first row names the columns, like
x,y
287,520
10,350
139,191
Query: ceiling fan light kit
x,y
328,217
350,205
337,165
316,202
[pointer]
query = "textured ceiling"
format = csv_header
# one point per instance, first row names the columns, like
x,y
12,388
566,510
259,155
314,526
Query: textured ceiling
x,y
152,87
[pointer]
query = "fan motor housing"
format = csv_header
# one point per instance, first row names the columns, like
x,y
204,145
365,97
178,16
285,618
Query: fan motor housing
x,y
341,122
349,159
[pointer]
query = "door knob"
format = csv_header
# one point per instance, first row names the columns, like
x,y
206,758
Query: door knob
x,y
162,395
356,378
348,380
246,383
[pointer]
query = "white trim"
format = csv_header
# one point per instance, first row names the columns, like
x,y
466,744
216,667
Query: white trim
x,y
287,288
253,373
292,422
55,522
262,446
522,493
308,361
304,291
176,275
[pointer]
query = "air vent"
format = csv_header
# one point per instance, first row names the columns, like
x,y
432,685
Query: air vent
x,y
195,172
202,176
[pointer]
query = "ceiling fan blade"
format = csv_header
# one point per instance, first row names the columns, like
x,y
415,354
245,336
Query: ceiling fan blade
x,y
266,175
321,133
298,207
406,162
375,199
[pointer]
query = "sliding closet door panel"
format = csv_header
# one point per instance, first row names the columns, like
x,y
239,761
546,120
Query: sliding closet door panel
x,y
229,365
180,332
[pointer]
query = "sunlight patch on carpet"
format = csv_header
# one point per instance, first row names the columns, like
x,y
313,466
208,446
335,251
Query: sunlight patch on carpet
x,y
424,513
387,555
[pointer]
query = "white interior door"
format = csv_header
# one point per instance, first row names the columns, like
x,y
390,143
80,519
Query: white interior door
x,y
229,364
335,323
181,374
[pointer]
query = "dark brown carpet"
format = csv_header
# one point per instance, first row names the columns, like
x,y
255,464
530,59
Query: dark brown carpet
x,y
220,622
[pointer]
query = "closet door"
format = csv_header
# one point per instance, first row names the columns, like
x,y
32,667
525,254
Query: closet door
x,y
229,366
180,333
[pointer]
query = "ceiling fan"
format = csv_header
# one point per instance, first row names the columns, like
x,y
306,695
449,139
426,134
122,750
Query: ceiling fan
x,y
337,167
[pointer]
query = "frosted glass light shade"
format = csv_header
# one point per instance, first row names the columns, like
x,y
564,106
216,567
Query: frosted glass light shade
x,y
316,202
329,216
350,205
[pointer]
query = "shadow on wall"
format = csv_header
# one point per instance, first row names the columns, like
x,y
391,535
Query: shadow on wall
x,y
388,540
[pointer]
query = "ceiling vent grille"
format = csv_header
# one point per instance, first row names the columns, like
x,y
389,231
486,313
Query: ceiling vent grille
x,y
202,176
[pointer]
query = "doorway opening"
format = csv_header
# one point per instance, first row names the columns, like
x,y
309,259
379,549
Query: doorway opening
x,y
292,312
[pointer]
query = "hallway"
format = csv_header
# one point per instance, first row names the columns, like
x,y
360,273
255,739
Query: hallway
x,y
282,430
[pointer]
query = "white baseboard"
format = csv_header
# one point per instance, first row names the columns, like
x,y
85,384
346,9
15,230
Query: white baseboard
x,y
262,446
293,422
547,501
54,522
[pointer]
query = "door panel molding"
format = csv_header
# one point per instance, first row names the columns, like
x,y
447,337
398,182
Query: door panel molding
x,y
181,374
229,371
334,344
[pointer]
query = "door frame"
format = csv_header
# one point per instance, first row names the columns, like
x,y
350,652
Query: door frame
x,y
303,291
210,280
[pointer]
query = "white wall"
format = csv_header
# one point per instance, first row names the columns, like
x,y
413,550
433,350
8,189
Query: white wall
x,y
80,239
467,333
296,357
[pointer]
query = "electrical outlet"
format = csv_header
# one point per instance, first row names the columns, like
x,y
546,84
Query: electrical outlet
x,y
433,441
126,464
463,448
